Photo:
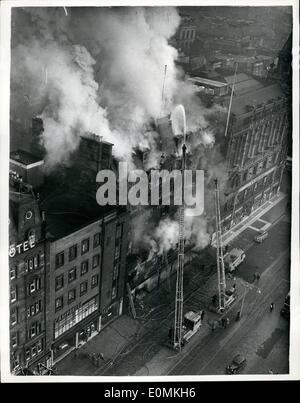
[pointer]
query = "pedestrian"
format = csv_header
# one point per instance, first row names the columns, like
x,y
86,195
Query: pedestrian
x,y
227,322
271,371
238,316
202,315
272,306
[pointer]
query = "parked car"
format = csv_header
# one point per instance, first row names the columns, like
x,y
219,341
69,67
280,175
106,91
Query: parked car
x,y
237,364
261,236
233,259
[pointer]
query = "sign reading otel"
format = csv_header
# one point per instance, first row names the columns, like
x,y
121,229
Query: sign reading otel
x,y
21,247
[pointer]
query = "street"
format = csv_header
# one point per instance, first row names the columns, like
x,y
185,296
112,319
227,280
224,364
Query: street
x,y
260,335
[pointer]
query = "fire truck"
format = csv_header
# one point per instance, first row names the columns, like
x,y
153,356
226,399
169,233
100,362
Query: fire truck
x,y
234,258
192,322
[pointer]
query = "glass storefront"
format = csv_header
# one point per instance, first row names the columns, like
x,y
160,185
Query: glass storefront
x,y
68,321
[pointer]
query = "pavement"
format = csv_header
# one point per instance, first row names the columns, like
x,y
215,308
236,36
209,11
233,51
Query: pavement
x,y
137,346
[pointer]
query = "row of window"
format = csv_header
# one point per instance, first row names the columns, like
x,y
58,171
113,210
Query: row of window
x,y
34,262
34,309
33,286
72,274
83,287
73,250
34,330
187,34
30,264
34,350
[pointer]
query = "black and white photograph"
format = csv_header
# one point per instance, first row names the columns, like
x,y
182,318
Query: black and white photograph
x,y
150,221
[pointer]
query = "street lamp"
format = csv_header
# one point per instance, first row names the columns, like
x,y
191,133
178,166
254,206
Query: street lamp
x,y
249,287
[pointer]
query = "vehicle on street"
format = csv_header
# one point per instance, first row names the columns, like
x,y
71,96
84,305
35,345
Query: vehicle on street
x,y
191,324
234,258
285,311
237,364
261,236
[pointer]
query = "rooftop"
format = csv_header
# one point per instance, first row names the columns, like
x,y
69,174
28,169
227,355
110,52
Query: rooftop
x,y
207,81
24,157
255,98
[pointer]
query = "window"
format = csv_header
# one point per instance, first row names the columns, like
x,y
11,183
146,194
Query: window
x,y
33,351
32,331
16,360
39,346
14,317
96,260
117,251
116,271
29,264
59,259
96,240
72,275
38,306
59,282
34,285
95,280
85,246
83,288
72,253
84,267
58,304
36,261
14,339
13,294
72,295
114,292
27,354
34,308
13,272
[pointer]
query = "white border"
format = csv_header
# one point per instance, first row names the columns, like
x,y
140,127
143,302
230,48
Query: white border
x,y
5,8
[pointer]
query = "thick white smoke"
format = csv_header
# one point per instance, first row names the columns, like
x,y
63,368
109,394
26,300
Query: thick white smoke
x,y
112,86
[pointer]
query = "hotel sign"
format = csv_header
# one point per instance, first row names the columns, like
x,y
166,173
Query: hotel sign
x,y
21,247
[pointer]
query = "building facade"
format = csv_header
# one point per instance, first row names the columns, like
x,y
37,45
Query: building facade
x,y
28,261
86,282
256,151
186,34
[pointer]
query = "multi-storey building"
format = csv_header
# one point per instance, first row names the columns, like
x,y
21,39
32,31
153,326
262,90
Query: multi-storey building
x,y
255,150
186,34
67,256
86,279
27,270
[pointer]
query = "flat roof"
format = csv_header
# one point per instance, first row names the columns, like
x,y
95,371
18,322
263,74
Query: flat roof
x,y
255,98
207,81
24,157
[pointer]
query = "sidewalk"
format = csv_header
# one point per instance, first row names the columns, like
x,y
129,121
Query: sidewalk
x,y
109,342
261,215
